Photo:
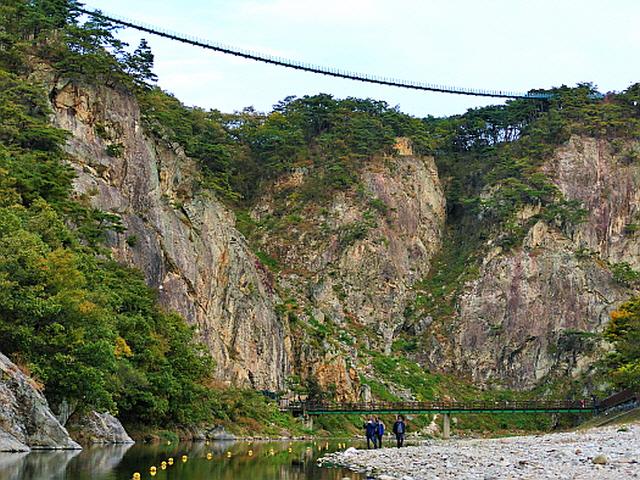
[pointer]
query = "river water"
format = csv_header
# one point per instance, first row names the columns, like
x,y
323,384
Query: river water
x,y
215,461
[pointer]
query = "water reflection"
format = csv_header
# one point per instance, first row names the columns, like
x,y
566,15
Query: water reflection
x,y
228,461
36,466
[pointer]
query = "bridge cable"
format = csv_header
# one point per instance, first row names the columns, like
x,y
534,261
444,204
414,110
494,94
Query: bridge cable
x,y
307,67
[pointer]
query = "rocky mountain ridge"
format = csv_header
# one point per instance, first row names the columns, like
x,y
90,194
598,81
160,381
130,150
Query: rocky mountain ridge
x,y
330,248
186,244
347,265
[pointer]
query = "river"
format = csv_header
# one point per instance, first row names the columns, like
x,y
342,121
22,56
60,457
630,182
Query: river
x,y
214,461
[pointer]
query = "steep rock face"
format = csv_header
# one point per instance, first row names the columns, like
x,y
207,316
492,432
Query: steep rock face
x,y
605,177
525,316
350,264
99,428
25,418
530,311
182,239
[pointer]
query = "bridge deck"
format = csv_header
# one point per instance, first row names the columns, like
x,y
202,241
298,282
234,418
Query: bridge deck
x,y
532,406
308,67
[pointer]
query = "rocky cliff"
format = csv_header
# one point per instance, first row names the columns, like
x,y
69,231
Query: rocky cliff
x,y
345,268
531,311
345,263
182,238
349,264
605,177
25,418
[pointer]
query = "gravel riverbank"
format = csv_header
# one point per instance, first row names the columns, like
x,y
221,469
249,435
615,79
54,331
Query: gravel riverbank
x,y
604,453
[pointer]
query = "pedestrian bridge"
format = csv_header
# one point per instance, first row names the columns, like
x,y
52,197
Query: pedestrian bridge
x,y
308,409
437,407
446,409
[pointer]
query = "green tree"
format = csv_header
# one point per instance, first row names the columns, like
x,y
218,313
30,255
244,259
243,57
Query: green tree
x,y
623,331
139,65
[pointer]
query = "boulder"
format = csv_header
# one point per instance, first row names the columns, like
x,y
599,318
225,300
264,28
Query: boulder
x,y
25,417
9,443
351,451
600,460
219,433
99,428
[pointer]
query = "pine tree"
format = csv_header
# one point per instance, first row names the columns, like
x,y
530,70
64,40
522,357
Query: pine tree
x,y
140,65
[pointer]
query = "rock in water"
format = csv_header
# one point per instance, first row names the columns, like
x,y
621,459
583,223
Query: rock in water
x,y
219,433
25,418
99,428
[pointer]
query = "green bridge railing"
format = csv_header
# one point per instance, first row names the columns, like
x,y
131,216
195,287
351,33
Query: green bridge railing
x,y
507,406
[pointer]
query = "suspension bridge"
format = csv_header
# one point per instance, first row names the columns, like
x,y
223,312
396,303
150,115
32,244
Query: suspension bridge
x,y
307,67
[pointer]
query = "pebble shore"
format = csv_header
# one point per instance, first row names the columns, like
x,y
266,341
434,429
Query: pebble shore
x,y
604,453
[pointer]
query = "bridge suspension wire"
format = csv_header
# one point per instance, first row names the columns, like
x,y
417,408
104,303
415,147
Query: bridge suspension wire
x,y
307,67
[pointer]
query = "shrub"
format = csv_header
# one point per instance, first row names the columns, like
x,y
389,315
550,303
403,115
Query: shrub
x,y
624,274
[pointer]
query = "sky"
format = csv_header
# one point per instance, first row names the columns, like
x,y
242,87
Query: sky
x,y
492,44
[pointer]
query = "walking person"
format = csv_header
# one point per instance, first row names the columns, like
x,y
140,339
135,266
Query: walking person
x,y
370,430
399,429
380,432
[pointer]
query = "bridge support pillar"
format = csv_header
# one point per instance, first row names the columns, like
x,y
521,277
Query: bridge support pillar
x,y
308,422
446,426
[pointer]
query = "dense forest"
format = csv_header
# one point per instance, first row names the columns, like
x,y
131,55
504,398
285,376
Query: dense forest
x,y
90,330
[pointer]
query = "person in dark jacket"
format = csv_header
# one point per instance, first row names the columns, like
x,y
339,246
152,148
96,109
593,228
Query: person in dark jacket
x,y
370,430
399,429
380,431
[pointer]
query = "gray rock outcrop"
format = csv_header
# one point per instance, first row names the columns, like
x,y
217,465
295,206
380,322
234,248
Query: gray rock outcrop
x,y
598,174
25,418
99,428
9,443
530,312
